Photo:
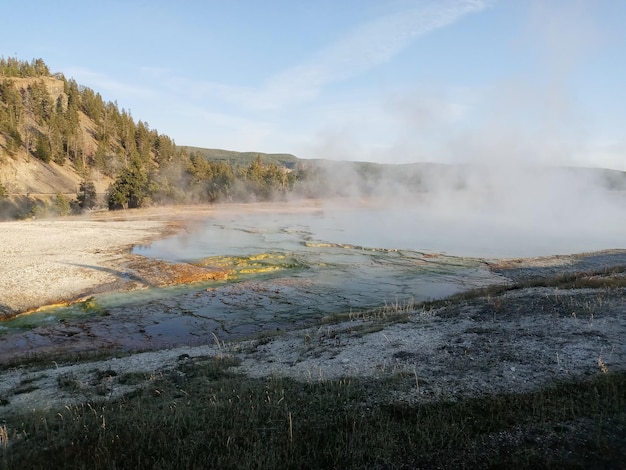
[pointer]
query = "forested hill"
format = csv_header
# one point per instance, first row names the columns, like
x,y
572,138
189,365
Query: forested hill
x,y
245,158
63,148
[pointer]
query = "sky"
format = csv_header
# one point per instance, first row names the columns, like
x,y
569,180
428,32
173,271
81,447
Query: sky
x,y
389,81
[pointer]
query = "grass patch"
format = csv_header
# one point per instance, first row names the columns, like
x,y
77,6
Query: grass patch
x,y
133,378
609,278
68,382
202,415
387,314
44,360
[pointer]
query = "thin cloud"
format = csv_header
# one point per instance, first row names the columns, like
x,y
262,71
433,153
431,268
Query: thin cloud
x,y
366,47
101,82
230,131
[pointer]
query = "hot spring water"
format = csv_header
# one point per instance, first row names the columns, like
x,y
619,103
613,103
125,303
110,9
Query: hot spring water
x,y
295,266
466,233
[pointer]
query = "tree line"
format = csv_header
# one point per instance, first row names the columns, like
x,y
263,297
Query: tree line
x,y
75,126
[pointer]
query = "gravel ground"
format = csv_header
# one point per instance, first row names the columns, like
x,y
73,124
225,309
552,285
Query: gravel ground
x,y
49,261
516,341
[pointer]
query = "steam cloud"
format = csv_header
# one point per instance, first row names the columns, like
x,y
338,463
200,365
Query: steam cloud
x,y
524,177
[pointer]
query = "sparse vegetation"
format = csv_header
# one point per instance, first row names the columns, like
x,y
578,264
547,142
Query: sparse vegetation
x,y
611,278
68,382
38,361
202,415
375,319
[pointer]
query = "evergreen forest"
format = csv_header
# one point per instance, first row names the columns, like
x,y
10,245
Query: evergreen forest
x,y
51,118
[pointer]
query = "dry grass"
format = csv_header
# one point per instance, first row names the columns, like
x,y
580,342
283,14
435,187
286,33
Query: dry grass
x,y
201,415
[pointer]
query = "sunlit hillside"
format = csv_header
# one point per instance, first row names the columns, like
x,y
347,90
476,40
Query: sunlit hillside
x,y
59,139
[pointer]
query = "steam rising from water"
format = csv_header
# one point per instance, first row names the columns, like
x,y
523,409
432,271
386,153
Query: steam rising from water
x,y
510,199
469,211
489,211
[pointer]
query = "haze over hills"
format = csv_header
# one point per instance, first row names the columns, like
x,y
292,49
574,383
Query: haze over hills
x,y
64,149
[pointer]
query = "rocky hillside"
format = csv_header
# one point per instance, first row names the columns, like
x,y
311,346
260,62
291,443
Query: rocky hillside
x,y
59,139
55,134
23,171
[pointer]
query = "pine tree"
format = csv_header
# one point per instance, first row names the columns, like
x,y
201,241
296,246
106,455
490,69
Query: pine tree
x,y
87,198
42,148
61,205
130,189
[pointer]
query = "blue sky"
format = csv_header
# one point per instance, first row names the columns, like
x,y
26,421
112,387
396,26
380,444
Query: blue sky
x,y
499,81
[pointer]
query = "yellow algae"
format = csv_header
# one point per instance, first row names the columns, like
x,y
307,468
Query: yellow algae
x,y
260,269
258,263
52,306
265,256
216,261
85,304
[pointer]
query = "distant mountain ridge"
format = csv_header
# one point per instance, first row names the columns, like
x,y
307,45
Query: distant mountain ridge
x,y
283,159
